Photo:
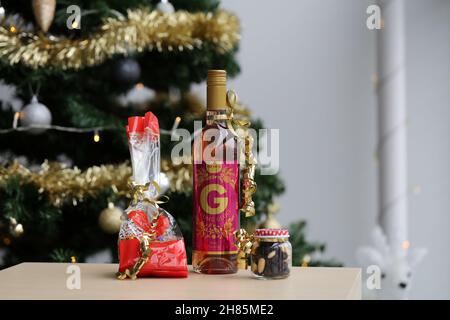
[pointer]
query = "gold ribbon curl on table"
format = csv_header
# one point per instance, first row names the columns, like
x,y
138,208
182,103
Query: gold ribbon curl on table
x,y
144,245
61,183
138,192
244,243
141,30
249,184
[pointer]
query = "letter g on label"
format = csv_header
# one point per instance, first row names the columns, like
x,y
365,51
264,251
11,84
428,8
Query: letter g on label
x,y
220,203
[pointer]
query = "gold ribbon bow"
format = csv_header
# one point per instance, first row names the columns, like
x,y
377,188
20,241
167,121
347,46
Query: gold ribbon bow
x,y
232,122
249,184
244,243
138,194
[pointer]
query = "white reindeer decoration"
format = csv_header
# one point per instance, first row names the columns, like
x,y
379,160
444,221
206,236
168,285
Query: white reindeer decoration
x,y
396,266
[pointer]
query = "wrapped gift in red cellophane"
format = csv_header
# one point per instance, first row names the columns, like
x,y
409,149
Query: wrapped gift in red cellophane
x,y
150,241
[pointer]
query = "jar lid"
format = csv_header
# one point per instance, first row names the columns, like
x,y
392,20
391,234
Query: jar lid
x,y
271,233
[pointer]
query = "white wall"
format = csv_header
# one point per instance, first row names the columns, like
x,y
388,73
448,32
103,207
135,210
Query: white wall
x,y
307,69
428,93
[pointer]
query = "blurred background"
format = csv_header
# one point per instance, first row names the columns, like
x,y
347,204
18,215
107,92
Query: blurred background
x,y
309,68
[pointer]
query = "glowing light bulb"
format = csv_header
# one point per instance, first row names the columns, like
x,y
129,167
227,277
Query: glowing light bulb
x,y
406,244
96,137
13,29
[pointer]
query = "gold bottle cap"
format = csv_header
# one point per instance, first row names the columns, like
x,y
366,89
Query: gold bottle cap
x,y
217,78
216,90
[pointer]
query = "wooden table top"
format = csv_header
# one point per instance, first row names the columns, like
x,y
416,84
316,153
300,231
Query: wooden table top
x,y
49,281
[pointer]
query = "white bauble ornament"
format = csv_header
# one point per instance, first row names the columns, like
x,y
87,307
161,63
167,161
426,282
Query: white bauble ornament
x,y
165,6
2,13
137,98
16,229
164,182
110,219
35,113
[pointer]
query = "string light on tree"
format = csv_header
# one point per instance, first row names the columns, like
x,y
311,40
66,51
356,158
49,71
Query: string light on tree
x,y
16,119
406,244
176,123
96,136
75,24
7,241
417,190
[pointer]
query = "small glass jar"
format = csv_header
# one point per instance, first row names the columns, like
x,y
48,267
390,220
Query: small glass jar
x,y
271,255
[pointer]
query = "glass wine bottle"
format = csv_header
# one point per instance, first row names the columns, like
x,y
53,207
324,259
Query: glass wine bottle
x,y
216,185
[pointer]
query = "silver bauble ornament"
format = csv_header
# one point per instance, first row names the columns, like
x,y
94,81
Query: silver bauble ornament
x,y
165,6
164,182
127,71
110,219
35,113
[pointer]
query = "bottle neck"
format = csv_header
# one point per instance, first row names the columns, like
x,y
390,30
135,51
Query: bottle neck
x,y
216,96
216,116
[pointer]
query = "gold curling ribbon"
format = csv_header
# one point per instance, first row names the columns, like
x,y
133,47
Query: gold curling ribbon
x,y
244,243
249,184
138,193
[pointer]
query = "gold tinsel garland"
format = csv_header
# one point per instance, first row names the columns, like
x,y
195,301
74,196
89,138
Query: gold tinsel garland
x,y
142,30
63,184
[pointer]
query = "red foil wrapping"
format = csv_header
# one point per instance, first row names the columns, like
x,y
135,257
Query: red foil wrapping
x,y
167,256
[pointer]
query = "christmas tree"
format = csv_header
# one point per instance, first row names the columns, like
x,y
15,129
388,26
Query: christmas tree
x,y
82,67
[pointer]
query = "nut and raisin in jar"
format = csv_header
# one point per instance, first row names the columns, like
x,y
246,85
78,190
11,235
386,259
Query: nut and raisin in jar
x,y
271,255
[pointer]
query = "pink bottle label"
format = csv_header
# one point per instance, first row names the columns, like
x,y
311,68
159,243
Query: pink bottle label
x,y
216,207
